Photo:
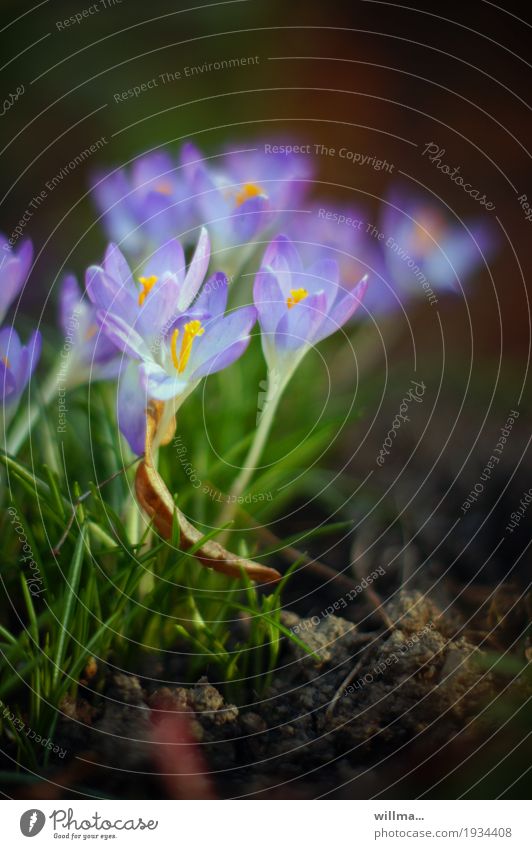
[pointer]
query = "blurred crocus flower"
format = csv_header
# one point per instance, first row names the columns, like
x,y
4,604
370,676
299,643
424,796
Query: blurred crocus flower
x,y
425,251
17,364
241,194
172,335
143,204
298,308
14,269
87,354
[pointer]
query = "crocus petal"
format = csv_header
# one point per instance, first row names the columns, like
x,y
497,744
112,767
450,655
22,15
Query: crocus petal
x,y
159,309
10,348
282,254
116,266
300,324
11,278
342,311
250,218
212,298
381,298
154,167
456,257
110,192
108,294
132,402
219,335
190,158
221,360
19,362
103,290
25,258
196,272
169,258
29,358
123,335
7,383
69,300
161,385
269,300
322,276
157,215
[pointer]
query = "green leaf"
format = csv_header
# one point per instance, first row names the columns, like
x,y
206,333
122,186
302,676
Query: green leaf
x,y
73,580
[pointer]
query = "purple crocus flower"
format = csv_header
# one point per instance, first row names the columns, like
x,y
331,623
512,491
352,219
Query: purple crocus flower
x,y
346,234
17,364
298,308
144,204
14,269
423,248
173,333
89,355
244,192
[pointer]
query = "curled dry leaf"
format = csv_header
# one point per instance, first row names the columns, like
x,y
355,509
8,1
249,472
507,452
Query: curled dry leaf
x,y
155,499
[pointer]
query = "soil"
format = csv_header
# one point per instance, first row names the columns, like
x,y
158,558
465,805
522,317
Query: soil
x,y
335,723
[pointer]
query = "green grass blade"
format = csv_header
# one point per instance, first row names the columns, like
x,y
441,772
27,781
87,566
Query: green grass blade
x,y
71,593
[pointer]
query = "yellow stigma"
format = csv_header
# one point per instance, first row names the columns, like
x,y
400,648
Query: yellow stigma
x,y
296,295
190,331
6,362
163,187
147,284
248,190
428,231
90,332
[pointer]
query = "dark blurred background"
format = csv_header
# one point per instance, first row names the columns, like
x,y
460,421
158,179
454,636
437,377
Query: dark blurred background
x,y
378,75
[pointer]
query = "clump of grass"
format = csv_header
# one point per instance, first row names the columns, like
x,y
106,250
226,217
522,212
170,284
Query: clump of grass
x,y
107,597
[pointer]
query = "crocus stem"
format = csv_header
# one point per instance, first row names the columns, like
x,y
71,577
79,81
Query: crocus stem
x,y
25,423
135,523
255,451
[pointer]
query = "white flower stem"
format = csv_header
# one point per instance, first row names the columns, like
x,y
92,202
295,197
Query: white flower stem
x,y
256,448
